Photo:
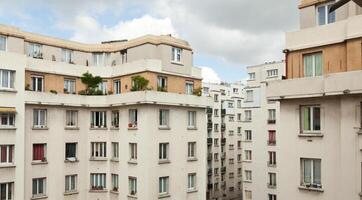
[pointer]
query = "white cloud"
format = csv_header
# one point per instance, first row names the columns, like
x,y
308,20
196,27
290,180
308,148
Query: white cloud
x,y
209,75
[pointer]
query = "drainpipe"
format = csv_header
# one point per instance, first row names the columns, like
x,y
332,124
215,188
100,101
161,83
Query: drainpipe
x,y
286,51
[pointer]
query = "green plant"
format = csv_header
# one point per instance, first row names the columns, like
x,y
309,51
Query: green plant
x,y
162,89
53,91
139,83
197,91
91,82
27,87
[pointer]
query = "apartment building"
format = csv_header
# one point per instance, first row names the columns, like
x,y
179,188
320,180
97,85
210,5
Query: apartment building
x,y
140,134
259,133
224,151
319,136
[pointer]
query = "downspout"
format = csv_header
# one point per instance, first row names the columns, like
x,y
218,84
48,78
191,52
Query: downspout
x,y
286,51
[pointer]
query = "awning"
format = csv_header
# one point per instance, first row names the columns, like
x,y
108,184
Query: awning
x,y
7,110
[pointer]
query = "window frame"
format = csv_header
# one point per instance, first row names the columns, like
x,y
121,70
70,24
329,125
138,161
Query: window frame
x,y
191,182
37,114
10,79
163,151
191,150
9,154
327,15
163,186
314,66
164,118
71,118
189,87
313,182
70,86
67,55
98,150
35,79
115,182
132,118
133,151
43,154
10,120
176,55
312,120
102,119
115,119
117,86
37,188
191,119
132,185
9,189
98,181
68,184
68,157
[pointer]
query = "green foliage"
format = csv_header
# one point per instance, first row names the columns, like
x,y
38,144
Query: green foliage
x,y
198,91
53,91
139,83
91,82
162,89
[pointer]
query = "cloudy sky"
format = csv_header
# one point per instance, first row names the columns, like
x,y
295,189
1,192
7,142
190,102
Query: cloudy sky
x,y
226,35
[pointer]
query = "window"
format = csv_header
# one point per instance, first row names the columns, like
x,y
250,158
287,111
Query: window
x,y
35,50
115,184
231,118
189,87
40,118
6,191
272,182
239,117
216,97
248,175
272,197
71,151
313,65
132,182
117,87
191,119
252,76
272,158
164,116
67,55
71,183
239,171
249,95
7,78
37,83
124,56
235,90
71,118
7,119
162,83
231,147
39,152
69,86
248,135
272,137
191,147
163,151
206,90
323,15
239,130
239,144
3,43
248,116
115,119
216,142
230,105
238,103
176,54
231,161
231,132
216,112
98,150
103,86
133,151
101,59
98,119
248,195
311,172
310,119
216,127
272,72
191,181
163,185
98,181
248,155
132,118
216,171
115,150
6,154
39,187
271,116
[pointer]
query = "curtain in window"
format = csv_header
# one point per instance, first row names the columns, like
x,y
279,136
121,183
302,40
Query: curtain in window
x,y
308,66
307,166
3,154
318,64
317,172
272,136
38,152
306,119
5,78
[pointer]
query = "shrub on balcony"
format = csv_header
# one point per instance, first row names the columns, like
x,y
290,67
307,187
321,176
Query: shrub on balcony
x,y
162,89
91,82
198,91
139,83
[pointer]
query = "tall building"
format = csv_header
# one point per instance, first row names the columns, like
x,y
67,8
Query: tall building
x,y
259,133
319,137
224,167
140,134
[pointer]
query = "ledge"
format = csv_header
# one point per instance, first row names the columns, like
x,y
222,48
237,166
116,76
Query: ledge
x,y
132,162
132,128
132,196
114,128
71,128
177,63
246,181
192,191
164,161
114,159
8,165
310,189
164,128
7,128
70,193
38,128
247,161
39,162
316,135
191,159
97,159
71,161
114,192
191,128
8,90
98,191
98,128
161,196
40,197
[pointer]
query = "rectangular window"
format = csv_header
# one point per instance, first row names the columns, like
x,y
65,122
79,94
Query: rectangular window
x,y
271,116
6,154
248,195
163,185
115,119
117,87
164,118
191,119
249,95
272,182
39,152
235,90
239,130
206,90
189,87
216,97
272,197
162,83
313,65
69,86
248,175
39,187
98,150
7,191
230,105
323,15
101,59
163,151
35,50
71,151
176,54
191,183
248,135
37,83
115,183
124,56
310,119
248,116
7,119
67,55
248,155
231,118
115,150
272,72
311,172
239,117
3,43
133,114
103,86
132,185
239,144
272,137
98,181
191,147
7,79
40,118
252,76
71,183
133,151
272,158
216,127
71,118
98,119
238,103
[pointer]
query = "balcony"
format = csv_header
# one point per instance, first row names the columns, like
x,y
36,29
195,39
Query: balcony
x,y
223,141
209,172
209,156
209,125
209,140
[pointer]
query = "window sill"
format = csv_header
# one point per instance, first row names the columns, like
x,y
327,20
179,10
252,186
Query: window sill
x,y
247,141
8,90
40,128
318,135
39,162
161,196
70,193
247,161
8,165
191,128
132,128
132,162
71,160
176,63
39,197
164,128
191,190
71,128
191,159
271,186
114,192
114,128
310,189
115,160
94,128
97,159
98,191
7,128
164,161
132,196
272,165
246,181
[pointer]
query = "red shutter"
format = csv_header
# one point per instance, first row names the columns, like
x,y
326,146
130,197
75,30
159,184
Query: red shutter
x,y
3,154
38,152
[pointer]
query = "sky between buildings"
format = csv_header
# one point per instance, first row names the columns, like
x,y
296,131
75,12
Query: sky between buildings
x,y
226,35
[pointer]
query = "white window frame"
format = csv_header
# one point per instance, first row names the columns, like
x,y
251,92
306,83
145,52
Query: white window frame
x,y
102,119
103,86
132,151
115,182
161,83
272,158
191,150
248,115
313,55
37,192
132,185
98,181
35,87
101,59
67,55
249,95
133,118
326,7
272,179
191,182
35,50
10,120
9,152
37,118
10,79
248,135
115,150
71,183
98,150
164,118
9,189
248,175
272,73
69,86
117,86
251,76
311,107
248,155
176,55
312,174
271,114
71,118
115,119
189,87
163,154
191,118
5,39
163,188
73,159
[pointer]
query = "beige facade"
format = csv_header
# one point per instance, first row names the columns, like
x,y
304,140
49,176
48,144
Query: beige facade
x,y
127,145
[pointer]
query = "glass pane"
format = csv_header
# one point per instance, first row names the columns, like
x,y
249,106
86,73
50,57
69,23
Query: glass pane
x,y
306,119
321,15
308,66
331,16
318,64
317,118
307,171
317,172
35,185
3,191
